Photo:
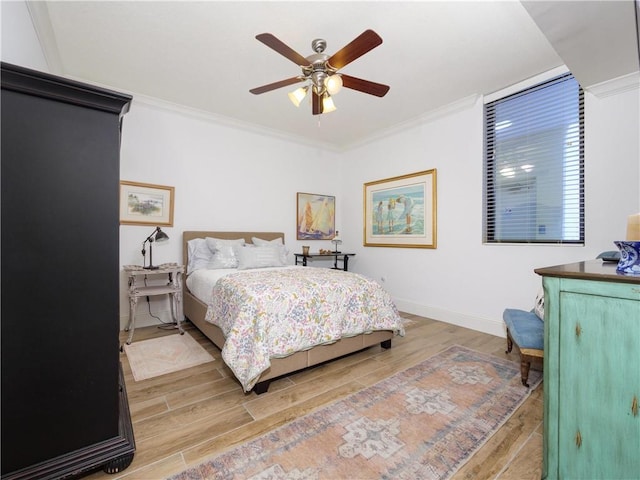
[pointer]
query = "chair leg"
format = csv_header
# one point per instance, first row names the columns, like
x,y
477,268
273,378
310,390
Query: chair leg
x,y
509,342
525,365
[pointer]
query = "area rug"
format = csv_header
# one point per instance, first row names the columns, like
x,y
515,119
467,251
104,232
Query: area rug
x,y
422,423
159,356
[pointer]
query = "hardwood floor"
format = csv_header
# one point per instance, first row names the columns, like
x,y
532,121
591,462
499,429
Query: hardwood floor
x,y
183,418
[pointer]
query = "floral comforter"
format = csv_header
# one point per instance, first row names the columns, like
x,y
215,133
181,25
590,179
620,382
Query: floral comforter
x,y
266,314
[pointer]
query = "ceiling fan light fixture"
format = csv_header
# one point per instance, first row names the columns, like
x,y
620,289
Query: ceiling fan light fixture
x,y
327,104
298,95
333,84
320,71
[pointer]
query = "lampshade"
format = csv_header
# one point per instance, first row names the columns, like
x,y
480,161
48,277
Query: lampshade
x,y
333,84
327,104
298,95
336,241
161,236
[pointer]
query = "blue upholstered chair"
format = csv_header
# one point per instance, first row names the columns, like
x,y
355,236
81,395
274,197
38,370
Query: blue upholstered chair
x,y
526,330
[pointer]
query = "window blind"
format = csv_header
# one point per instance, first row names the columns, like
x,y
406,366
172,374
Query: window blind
x,y
534,165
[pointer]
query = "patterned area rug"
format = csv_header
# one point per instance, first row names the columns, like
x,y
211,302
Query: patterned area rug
x,y
159,356
422,423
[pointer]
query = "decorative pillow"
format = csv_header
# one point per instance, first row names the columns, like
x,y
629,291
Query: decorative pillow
x,y
284,251
259,257
539,306
200,255
260,242
224,256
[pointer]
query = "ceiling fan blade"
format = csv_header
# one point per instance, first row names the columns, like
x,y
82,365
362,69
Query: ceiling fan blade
x,y
275,85
272,42
316,103
365,86
366,41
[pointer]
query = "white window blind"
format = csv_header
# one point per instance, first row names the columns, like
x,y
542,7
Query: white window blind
x,y
534,165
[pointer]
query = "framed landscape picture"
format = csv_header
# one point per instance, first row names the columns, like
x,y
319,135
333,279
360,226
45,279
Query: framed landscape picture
x,y
316,216
401,211
146,204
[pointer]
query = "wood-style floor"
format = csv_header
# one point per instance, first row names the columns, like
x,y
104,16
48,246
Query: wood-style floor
x,y
183,418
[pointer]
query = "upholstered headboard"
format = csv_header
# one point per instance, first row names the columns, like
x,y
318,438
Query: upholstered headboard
x,y
190,235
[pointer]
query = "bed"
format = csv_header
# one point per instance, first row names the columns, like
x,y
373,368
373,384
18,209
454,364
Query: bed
x,y
229,309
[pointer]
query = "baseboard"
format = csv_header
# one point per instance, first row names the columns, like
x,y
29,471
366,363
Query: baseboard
x,y
485,325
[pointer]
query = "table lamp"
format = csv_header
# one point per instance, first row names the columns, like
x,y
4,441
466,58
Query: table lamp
x,y
157,236
336,241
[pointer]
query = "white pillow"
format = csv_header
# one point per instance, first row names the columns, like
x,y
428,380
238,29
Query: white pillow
x,y
224,256
284,251
539,306
259,257
262,242
200,255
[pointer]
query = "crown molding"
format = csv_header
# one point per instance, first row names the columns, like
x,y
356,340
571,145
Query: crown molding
x,y
39,14
205,116
224,121
615,86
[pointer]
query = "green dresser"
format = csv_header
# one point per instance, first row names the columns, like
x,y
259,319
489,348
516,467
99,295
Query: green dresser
x,y
591,372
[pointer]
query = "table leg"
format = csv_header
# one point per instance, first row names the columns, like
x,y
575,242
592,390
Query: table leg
x,y
133,302
345,263
176,309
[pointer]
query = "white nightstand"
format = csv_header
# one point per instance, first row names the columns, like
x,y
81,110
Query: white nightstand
x,y
173,288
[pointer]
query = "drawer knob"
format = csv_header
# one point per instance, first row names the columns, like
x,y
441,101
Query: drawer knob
x,y
578,439
578,329
634,406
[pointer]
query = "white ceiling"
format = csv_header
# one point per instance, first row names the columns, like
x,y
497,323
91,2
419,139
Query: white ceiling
x,y
204,55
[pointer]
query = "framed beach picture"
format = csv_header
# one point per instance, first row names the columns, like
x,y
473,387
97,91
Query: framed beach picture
x,y
146,204
401,211
316,216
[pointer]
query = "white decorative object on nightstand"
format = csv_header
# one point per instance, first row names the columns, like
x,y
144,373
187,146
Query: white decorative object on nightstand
x,y
173,288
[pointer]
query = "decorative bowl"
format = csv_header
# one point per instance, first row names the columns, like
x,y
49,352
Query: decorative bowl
x,y
629,263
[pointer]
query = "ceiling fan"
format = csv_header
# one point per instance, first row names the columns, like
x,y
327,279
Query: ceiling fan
x,y
321,71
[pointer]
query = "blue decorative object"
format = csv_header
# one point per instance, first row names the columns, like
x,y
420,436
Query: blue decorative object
x,y
629,263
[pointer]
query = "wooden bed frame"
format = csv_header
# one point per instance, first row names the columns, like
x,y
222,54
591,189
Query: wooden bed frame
x,y
195,310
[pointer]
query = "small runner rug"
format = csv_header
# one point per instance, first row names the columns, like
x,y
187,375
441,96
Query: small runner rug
x,y
421,423
162,355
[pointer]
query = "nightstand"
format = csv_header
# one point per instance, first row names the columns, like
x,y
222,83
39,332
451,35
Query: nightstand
x,y
173,288
343,257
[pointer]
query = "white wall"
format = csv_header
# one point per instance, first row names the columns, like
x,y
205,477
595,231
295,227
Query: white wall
x,y
228,179
20,44
463,281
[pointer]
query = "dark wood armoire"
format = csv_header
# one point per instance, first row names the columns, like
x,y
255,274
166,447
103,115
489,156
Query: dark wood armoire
x,y
64,405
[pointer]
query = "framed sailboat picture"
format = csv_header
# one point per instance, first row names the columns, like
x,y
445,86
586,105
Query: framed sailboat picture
x,y
316,216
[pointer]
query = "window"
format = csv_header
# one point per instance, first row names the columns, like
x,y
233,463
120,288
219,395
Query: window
x,y
534,165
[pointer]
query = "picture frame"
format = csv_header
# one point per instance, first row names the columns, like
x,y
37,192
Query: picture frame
x,y
146,204
401,211
315,217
